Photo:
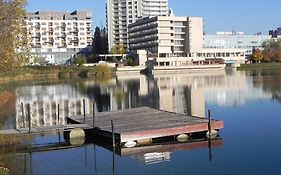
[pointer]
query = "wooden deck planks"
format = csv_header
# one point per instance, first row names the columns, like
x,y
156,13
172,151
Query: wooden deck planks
x,y
144,122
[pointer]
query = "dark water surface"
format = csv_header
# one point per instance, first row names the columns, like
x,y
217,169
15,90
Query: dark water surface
x,y
249,103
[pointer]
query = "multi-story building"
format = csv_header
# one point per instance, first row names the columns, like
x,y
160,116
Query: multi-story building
x,y
167,35
177,41
275,33
59,36
121,13
235,40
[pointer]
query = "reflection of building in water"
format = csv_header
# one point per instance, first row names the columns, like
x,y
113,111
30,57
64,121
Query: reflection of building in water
x,y
44,101
153,158
188,93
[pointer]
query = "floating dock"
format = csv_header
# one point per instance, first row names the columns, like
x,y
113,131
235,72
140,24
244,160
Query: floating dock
x,y
144,123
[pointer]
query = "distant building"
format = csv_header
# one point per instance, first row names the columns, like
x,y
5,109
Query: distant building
x,y
59,36
167,35
235,40
177,41
275,33
122,13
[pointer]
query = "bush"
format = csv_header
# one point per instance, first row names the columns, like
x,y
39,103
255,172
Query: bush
x,y
80,60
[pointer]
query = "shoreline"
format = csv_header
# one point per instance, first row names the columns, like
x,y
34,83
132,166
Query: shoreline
x,y
56,72
259,66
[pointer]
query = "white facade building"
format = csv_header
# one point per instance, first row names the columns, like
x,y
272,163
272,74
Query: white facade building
x,y
121,13
235,40
177,41
59,36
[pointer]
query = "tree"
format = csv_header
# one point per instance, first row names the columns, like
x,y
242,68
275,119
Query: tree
x,y
97,41
13,35
278,56
114,50
267,55
257,55
100,41
80,60
121,49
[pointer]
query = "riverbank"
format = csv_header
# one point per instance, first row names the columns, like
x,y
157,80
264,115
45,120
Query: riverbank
x,y
260,66
56,72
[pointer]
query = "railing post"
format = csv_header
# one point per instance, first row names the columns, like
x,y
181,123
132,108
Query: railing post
x,y
94,119
113,134
84,110
209,122
22,113
29,117
58,113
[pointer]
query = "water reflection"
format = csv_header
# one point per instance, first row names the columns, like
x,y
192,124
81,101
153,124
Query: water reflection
x,y
190,93
181,93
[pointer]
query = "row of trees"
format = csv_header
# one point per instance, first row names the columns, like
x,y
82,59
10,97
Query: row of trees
x,y
12,35
271,52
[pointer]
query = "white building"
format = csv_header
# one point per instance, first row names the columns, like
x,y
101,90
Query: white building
x,y
177,41
235,40
120,13
59,36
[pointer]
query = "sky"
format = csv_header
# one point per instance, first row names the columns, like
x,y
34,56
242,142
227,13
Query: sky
x,y
248,16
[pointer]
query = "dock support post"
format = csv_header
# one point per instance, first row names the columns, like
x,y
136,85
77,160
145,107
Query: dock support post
x,y
113,135
94,120
58,113
22,113
84,110
210,139
209,122
29,117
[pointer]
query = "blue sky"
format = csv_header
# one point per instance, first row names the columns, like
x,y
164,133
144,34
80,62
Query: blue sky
x,y
249,16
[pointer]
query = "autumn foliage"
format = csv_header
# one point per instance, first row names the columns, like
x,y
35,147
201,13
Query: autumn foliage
x,y
12,34
271,52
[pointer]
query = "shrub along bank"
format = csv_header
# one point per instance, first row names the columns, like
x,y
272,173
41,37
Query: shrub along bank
x,y
37,72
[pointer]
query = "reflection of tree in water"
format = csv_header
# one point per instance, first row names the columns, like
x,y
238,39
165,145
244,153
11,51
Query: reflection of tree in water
x,y
269,80
150,99
126,94
102,100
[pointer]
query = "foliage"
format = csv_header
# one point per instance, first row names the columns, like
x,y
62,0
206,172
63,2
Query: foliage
x,y
121,49
257,55
129,62
118,49
272,50
80,60
54,72
13,35
100,41
272,43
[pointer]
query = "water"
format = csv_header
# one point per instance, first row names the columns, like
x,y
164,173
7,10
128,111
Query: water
x,y
247,102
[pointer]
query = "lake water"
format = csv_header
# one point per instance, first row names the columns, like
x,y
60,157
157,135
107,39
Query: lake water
x,y
249,103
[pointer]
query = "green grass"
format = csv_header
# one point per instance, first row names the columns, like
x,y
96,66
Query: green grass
x,y
2,172
260,66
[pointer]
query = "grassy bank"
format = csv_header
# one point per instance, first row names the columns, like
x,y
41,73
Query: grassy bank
x,y
27,73
260,66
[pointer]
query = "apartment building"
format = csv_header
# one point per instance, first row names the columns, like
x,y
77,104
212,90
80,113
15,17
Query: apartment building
x,y
235,40
167,35
121,13
57,37
177,41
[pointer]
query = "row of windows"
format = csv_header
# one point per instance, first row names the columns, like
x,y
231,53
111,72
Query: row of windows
x,y
57,23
